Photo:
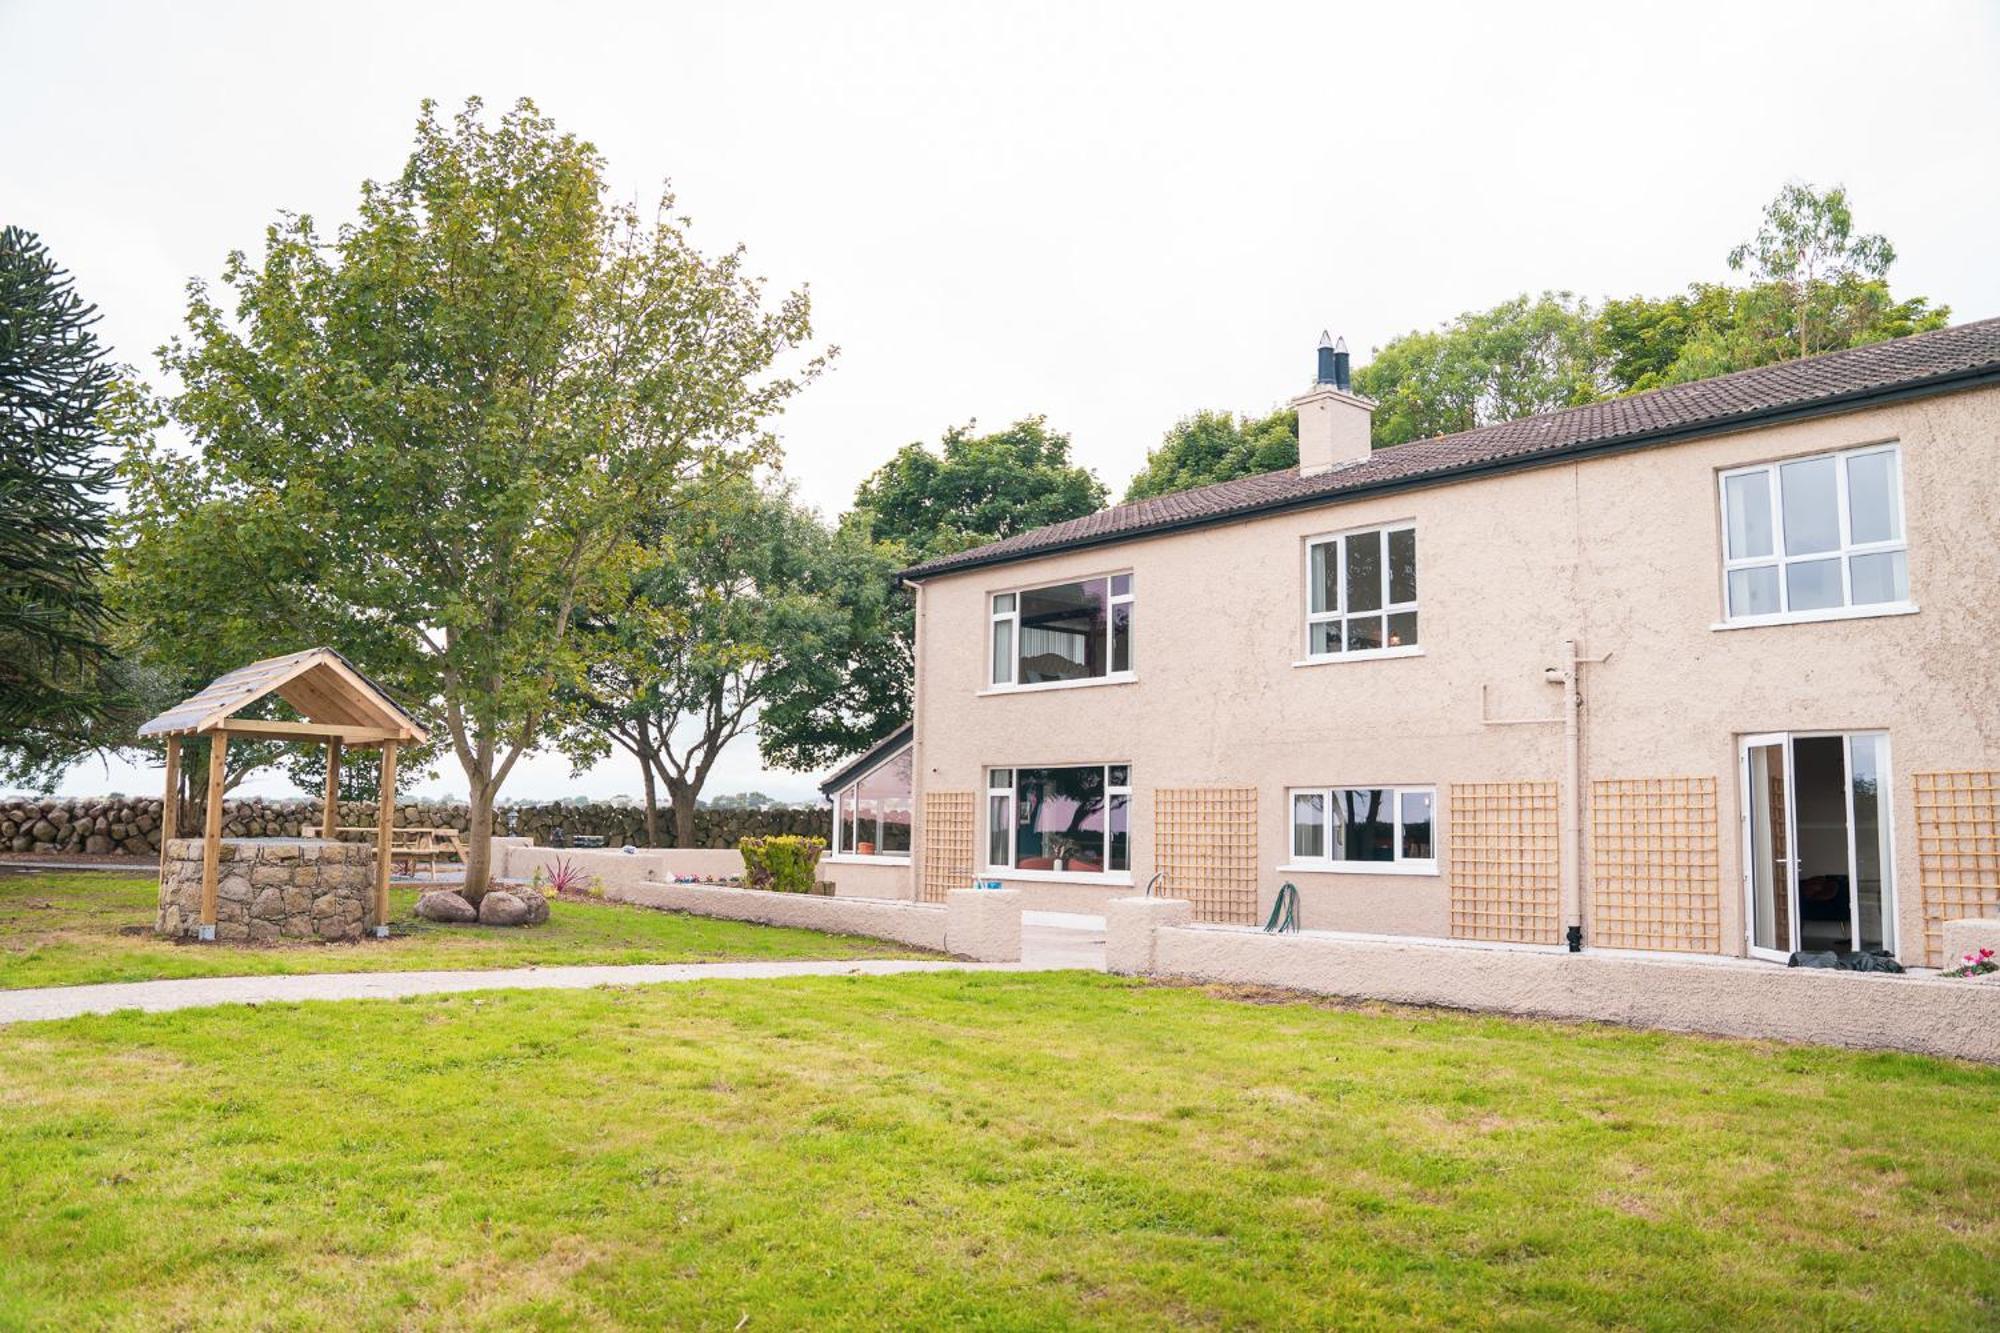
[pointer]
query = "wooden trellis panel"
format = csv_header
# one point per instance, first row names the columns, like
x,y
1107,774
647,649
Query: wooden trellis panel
x,y
948,834
1656,872
1958,851
1506,874
1205,840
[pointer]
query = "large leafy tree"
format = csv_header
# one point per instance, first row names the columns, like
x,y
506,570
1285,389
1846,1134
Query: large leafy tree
x,y
1217,446
922,503
55,385
1814,285
426,440
1526,355
744,611
977,488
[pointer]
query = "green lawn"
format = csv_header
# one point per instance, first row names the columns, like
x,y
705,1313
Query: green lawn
x,y
65,930
996,1150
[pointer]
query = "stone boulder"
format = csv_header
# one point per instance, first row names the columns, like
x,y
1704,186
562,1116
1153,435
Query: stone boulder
x,y
503,908
443,905
537,905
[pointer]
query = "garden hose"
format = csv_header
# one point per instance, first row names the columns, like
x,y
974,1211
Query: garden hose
x,y
1284,912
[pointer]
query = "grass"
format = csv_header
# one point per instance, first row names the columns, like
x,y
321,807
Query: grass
x,y
994,1150
66,930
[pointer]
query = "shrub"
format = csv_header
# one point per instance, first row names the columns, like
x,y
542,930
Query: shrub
x,y
783,863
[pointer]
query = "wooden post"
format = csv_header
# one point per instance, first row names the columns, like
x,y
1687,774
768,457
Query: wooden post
x,y
170,808
385,824
330,816
211,848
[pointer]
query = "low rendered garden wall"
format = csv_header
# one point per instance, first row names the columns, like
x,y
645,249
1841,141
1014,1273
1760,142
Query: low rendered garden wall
x,y
520,861
1723,997
923,925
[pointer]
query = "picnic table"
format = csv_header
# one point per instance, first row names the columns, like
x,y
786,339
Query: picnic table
x,y
408,845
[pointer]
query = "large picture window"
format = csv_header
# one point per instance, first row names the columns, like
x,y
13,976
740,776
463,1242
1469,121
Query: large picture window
x,y
1061,633
1365,828
871,816
1074,820
1814,535
1361,592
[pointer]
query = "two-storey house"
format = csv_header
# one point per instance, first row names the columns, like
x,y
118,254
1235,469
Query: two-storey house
x,y
1714,668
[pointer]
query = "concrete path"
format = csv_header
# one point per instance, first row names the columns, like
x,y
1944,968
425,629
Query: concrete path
x,y
1044,949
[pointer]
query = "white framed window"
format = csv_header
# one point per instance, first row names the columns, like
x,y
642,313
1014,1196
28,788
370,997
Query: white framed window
x,y
1811,537
1365,830
1059,821
1061,633
872,814
1361,593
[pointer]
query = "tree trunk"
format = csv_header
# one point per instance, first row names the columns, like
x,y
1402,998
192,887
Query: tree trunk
x,y
683,795
652,805
479,838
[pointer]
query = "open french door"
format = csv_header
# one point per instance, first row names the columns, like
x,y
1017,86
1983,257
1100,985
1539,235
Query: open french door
x,y
1770,871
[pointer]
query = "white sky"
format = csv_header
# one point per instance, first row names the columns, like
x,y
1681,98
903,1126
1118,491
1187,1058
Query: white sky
x,y
1111,214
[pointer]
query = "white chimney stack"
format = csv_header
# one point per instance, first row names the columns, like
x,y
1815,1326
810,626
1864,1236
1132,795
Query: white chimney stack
x,y
1333,419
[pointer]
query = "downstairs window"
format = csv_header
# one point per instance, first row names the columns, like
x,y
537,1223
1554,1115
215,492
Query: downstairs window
x,y
1074,820
1365,828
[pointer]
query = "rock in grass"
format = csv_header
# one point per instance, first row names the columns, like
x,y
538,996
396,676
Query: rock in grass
x,y
501,908
537,905
443,905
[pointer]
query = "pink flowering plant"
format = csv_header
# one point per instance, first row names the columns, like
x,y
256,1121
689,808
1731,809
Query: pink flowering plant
x,y
1975,964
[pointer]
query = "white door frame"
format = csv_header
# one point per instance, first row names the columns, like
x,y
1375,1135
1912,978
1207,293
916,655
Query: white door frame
x,y
1885,813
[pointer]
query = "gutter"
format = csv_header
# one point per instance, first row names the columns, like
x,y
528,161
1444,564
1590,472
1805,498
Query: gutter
x,y
1832,406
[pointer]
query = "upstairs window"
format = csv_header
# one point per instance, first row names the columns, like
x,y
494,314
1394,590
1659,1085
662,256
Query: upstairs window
x,y
871,816
1062,633
1814,535
1361,592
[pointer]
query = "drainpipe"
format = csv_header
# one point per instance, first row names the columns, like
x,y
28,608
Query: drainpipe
x,y
1569,676
1569,872
1572,861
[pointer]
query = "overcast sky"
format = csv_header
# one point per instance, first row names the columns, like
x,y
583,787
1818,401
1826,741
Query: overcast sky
x,y
1110,214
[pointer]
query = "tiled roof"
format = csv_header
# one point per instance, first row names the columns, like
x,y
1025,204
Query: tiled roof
x,y
1924,362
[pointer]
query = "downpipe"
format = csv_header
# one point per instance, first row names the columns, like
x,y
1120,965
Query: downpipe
x,y
1569,676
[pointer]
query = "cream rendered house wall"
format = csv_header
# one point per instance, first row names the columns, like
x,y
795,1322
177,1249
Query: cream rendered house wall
x,y
1621,553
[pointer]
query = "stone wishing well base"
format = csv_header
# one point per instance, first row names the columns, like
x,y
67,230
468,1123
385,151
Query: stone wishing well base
x,y
270,889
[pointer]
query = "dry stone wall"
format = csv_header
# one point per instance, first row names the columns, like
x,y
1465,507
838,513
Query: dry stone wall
x,y
103,824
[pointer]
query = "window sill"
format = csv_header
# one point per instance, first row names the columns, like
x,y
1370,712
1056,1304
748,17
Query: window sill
x,y
1110,878
1365,655
1869,612
1117,678
857,859
1427,869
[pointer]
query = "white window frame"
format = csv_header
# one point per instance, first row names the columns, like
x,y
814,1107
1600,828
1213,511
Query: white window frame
x,y
851,791
1339,613
1005,799
1844,553
1401,865
1012,619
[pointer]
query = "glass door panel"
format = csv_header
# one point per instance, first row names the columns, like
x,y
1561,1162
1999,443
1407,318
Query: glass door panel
x,y
1772,893
1868,789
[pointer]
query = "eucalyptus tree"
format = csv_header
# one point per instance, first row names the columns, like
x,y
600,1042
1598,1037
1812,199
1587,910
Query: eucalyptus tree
x,y
424,439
